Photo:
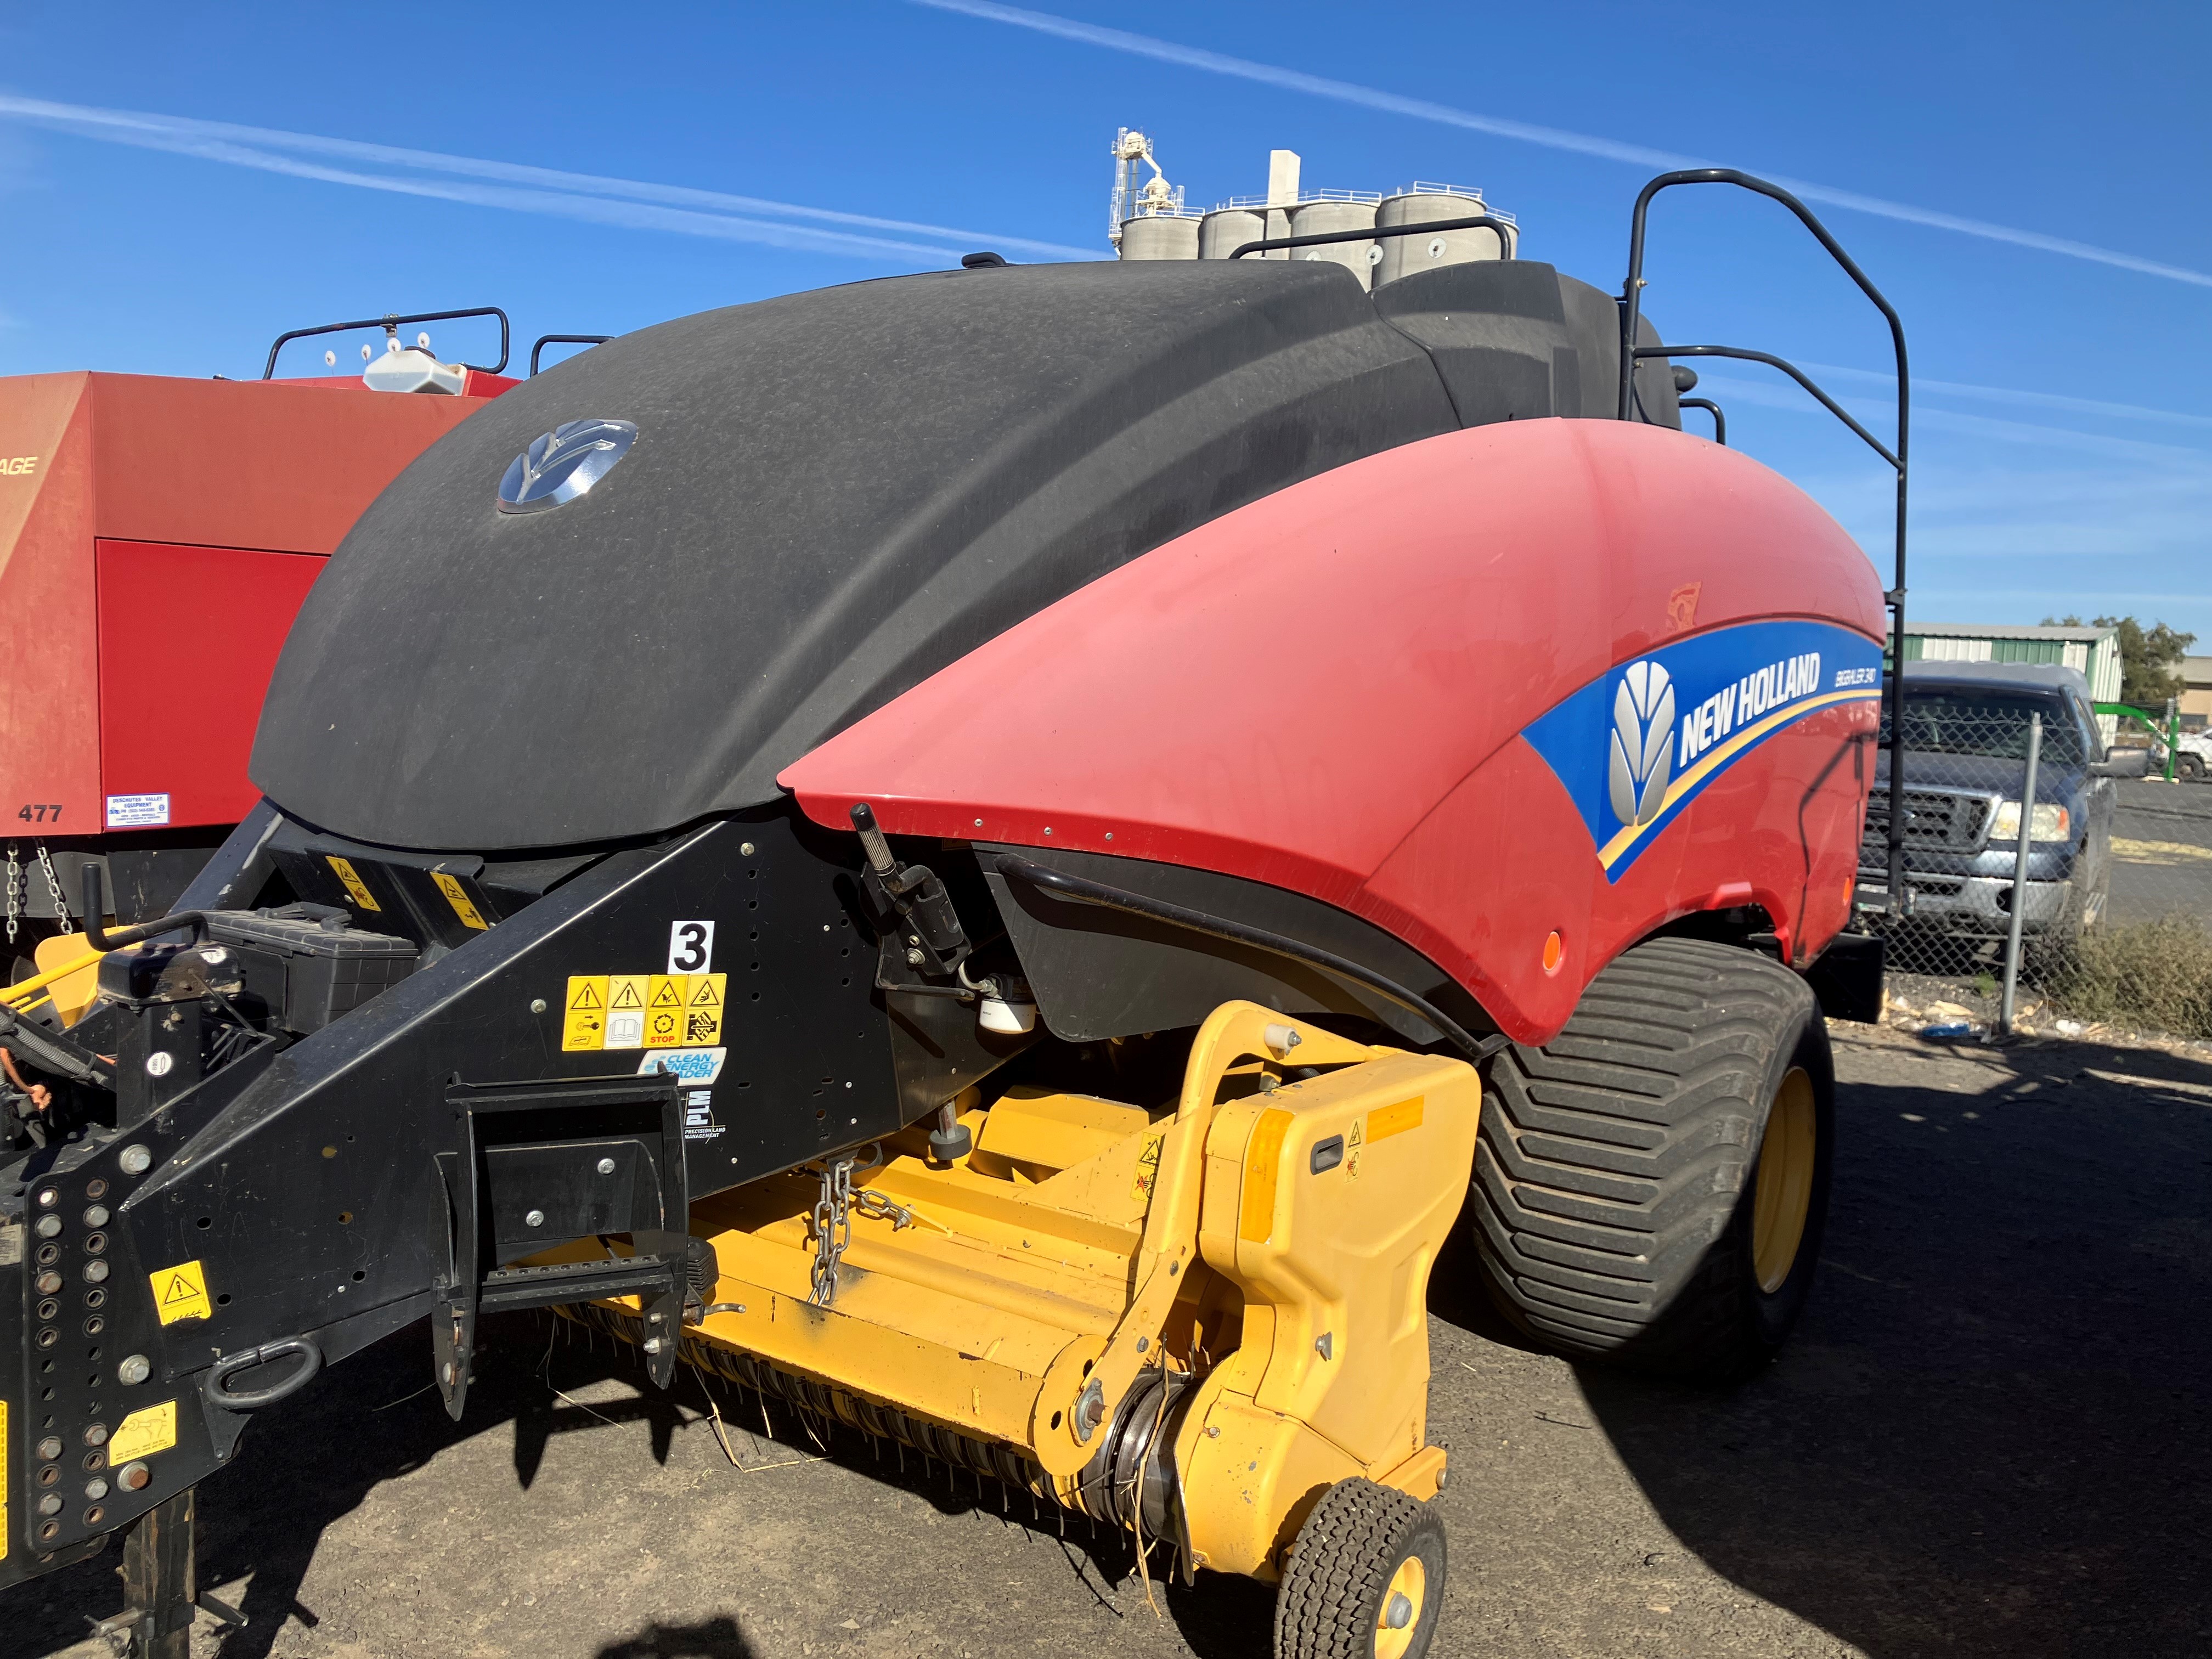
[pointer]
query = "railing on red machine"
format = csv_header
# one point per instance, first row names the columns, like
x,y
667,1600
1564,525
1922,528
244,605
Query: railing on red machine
x,y
392,325
1630,302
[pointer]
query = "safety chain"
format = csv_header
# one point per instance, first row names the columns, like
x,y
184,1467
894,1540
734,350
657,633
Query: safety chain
x,y
833,1220
15,891
54,886
833,1228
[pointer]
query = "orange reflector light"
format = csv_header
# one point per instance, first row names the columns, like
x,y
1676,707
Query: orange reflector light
x,y
1555,952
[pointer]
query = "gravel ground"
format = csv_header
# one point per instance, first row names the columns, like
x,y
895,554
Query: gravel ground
x,y
1989,1437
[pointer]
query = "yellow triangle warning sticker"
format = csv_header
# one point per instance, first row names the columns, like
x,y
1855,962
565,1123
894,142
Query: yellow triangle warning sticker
x,y
584,1019
703,1018
180,1292
666,990
627,996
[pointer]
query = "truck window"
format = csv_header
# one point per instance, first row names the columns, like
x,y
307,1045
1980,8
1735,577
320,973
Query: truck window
x,y
1962,720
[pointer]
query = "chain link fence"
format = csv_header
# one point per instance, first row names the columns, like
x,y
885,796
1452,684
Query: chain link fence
x,y
2112,893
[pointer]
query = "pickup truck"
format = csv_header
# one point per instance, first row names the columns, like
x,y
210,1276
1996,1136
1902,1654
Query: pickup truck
x,y
1966,750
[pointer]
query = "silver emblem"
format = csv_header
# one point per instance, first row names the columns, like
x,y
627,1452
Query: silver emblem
x,y
563,463
1642,743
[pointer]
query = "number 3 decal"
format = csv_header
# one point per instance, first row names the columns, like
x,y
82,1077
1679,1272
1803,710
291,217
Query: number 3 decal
x,y
690,947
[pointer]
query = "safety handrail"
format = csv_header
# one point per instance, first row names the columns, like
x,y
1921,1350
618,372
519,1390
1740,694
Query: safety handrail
x,y
392,323
1720,420
545,340
1631,295
1505,227
1783,363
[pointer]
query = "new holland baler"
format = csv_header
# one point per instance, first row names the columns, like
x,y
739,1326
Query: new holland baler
x,y
996,856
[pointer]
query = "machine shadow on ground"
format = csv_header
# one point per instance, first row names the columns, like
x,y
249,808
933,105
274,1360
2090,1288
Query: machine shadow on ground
x,y
1992,1433
376,1419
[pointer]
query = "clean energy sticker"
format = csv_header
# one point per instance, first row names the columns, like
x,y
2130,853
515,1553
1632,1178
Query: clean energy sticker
x,y
642,1010
137,811
697,1067
180,1292
143,1433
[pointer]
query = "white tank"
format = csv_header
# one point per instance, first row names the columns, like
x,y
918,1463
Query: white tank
x,y
1225,230
1404,255
1319,218
1159,236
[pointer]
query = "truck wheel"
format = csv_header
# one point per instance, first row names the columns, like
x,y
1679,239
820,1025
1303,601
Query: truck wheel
x,y
1650,1186
1365,1578
2190,766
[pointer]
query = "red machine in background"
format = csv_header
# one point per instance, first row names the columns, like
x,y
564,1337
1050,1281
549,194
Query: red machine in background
x,y
156,537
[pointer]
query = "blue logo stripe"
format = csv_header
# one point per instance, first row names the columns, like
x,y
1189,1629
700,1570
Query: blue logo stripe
x,y
1639,742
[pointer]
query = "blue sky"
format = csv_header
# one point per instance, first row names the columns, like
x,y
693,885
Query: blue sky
x,y
2062,436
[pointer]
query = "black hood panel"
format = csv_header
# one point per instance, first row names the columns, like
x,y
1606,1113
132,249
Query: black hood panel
x,y
830,496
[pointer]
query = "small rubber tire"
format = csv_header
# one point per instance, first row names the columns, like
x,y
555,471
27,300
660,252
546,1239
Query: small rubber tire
x,y
1354,1547
1616,1198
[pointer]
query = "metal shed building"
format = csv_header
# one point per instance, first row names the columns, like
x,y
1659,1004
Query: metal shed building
x,y
2094,651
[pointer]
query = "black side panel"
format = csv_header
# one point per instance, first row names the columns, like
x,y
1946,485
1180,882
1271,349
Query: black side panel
x,y
1100,973
1495,328
831,495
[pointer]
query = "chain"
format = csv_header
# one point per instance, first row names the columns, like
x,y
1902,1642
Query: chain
x,y
54,886
833,1219
15,891
833,1228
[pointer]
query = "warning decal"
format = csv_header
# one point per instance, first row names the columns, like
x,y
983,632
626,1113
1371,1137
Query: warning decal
x,y
180,1292
584,1013
458,896
144,1432
1148,1168
626,995
355,885
642,1010
664,1010
703,1009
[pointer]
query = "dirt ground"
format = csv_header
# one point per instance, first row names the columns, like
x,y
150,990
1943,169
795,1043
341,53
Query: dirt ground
x,y
1989,1437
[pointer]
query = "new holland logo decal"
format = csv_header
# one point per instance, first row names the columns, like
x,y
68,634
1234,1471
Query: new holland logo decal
x,y
1642,743
1638,744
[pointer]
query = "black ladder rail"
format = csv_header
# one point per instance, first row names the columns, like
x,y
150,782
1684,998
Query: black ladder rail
x,y
1630,302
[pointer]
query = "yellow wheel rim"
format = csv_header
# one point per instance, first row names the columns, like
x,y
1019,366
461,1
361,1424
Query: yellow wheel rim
x,y
1401,1609
1784,1195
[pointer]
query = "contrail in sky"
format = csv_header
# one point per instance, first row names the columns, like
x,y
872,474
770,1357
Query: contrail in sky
x,y
1244,69
629,202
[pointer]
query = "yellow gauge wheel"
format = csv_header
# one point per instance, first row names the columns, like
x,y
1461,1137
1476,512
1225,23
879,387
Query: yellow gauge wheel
x,y
1784,1195
1403,1602
1365,1579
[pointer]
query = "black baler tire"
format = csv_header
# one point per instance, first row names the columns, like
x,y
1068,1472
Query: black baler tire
x,y
1331,1595
1617,1166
